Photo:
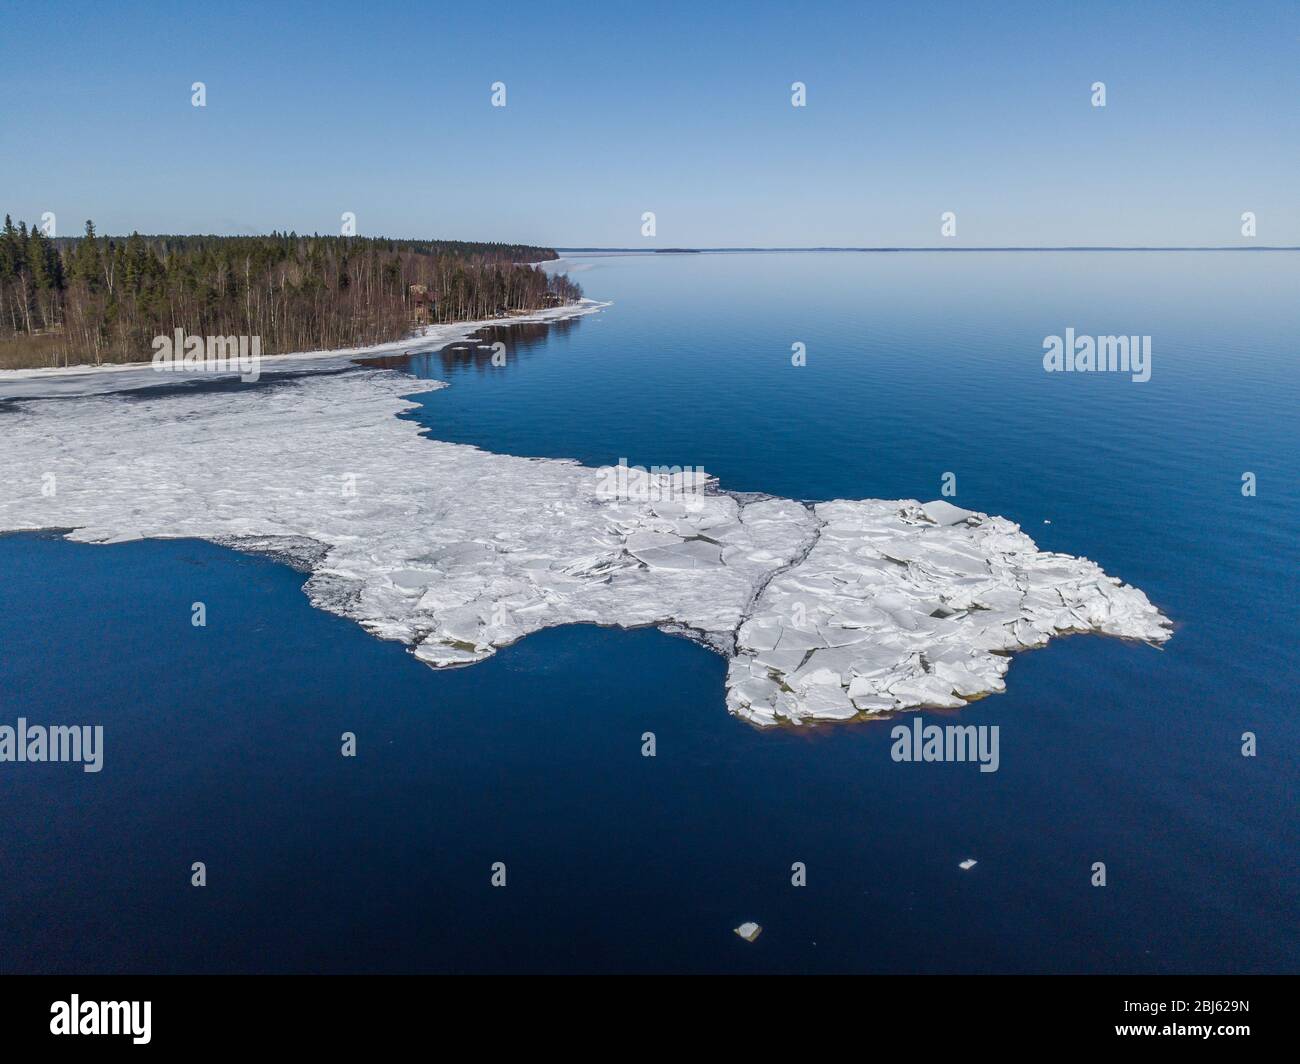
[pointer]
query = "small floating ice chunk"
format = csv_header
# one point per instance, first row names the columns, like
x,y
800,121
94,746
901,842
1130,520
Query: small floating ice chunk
x,y
749,930
968,864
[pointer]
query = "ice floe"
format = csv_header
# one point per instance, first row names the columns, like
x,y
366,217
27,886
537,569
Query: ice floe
x,y
834,611
902,605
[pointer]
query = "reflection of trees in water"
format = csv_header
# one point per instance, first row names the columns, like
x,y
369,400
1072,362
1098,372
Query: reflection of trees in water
x,y
476,352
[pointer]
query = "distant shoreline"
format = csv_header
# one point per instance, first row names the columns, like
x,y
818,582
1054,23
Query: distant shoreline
x,y
718,251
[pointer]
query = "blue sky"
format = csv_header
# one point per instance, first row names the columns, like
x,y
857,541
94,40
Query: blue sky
x,y
616,109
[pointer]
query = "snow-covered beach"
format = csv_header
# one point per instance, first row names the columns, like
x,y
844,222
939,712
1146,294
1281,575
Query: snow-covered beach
x,y
89,379
835,611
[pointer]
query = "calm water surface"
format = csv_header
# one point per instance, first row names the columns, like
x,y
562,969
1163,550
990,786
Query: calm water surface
x,y
222,743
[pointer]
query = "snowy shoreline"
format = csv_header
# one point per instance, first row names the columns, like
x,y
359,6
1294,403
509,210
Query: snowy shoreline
x,y
830,611
88,379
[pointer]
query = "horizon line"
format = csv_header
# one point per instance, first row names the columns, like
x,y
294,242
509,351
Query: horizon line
x,y
1061,247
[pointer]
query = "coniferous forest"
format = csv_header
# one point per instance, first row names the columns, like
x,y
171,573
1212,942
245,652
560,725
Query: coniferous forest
x,y
90,299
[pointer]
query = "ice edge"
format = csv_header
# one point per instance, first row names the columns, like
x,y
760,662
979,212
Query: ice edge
x,y
832,611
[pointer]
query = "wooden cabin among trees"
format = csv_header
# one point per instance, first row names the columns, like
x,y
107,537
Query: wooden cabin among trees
x,y
421,303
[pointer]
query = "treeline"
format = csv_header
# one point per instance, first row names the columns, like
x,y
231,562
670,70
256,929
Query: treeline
x,y
94,299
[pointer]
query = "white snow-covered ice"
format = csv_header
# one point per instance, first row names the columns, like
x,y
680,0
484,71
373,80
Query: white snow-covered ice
x,y
840,610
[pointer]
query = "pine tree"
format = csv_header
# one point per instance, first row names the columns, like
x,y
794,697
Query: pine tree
x,y
88,266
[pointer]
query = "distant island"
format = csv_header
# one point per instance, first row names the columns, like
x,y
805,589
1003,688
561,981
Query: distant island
x,y
676,251
92,299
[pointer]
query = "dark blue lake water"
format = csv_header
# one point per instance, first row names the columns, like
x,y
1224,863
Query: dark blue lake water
x,y
222,744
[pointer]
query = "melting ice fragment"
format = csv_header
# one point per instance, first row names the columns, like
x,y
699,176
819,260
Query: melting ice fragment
x,y
749,931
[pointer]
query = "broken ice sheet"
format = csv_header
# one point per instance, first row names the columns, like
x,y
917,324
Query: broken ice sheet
x,y
958,595
749,931
832,612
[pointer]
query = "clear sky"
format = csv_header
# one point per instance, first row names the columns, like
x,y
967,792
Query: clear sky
x,y
614,109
